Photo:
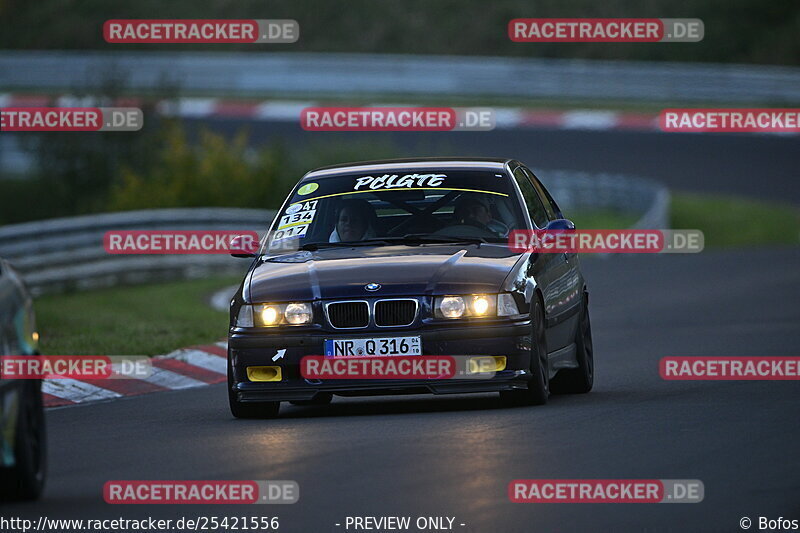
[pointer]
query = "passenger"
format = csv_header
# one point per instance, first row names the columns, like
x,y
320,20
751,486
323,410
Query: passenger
x,y
355,221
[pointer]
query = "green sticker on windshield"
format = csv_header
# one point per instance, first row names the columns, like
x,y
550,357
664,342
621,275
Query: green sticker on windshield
x,y
308,188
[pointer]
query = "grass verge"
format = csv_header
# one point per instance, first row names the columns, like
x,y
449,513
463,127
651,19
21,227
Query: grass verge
x,y
735,221
726,221
141,320
602,219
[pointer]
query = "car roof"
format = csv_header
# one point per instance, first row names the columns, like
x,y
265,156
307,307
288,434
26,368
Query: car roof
x,y
409,163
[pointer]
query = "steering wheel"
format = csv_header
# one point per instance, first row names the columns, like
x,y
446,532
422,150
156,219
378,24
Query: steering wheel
x,y
415,221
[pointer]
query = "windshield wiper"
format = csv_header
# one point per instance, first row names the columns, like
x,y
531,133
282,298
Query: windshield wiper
x,y
422,238
313,246
410,239
416,239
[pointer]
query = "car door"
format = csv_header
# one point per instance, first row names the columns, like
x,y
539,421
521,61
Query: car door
x,y
546,270
568,284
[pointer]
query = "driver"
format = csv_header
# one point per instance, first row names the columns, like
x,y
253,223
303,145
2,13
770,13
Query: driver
x,y
354,221
475,210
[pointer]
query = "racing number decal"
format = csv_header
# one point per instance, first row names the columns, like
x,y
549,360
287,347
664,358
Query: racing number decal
x,y
295,220
296,231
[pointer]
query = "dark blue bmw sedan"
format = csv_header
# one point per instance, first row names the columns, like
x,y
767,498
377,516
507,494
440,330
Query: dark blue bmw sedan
x,y
410,258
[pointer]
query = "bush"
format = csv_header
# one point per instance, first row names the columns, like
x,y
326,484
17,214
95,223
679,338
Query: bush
x,y
226,173
216,172
74,171
162,168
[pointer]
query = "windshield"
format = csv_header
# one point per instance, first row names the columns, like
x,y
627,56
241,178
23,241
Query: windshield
x,y
407,206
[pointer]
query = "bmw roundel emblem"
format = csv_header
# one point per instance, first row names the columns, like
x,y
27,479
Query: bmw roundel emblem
x,y
372,286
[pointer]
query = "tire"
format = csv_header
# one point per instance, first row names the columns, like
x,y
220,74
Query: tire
x,y
249,409
322,398
579,380
25,480
539,386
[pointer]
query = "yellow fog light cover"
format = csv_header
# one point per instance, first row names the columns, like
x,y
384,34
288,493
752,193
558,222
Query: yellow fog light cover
x,y
264,373
486,363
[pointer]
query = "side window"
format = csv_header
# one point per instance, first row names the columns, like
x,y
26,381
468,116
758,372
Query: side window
x,y
534,203
549,205
550,200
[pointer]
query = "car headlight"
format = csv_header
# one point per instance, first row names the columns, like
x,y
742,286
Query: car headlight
x,y
472,305
267,315
245,317
480,305
506,305
451,307
298,313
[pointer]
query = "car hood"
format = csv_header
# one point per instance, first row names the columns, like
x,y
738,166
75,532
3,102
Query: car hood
x,y
400,270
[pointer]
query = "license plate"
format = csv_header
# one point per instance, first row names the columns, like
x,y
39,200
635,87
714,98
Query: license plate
x,y
374,347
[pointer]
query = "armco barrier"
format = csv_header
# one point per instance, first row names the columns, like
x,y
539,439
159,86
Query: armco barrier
x,y
66,254
304,75
647,199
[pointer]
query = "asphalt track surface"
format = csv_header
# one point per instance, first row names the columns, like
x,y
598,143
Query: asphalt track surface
x,y
455,455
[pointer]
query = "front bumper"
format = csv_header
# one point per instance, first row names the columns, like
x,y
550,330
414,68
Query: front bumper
x,y
261,349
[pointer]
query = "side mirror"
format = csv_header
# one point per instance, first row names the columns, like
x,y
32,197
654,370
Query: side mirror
x,y
561,224
554,227
243,246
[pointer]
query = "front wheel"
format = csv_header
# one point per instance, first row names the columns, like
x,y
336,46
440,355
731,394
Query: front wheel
x,y
249,409
539,386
